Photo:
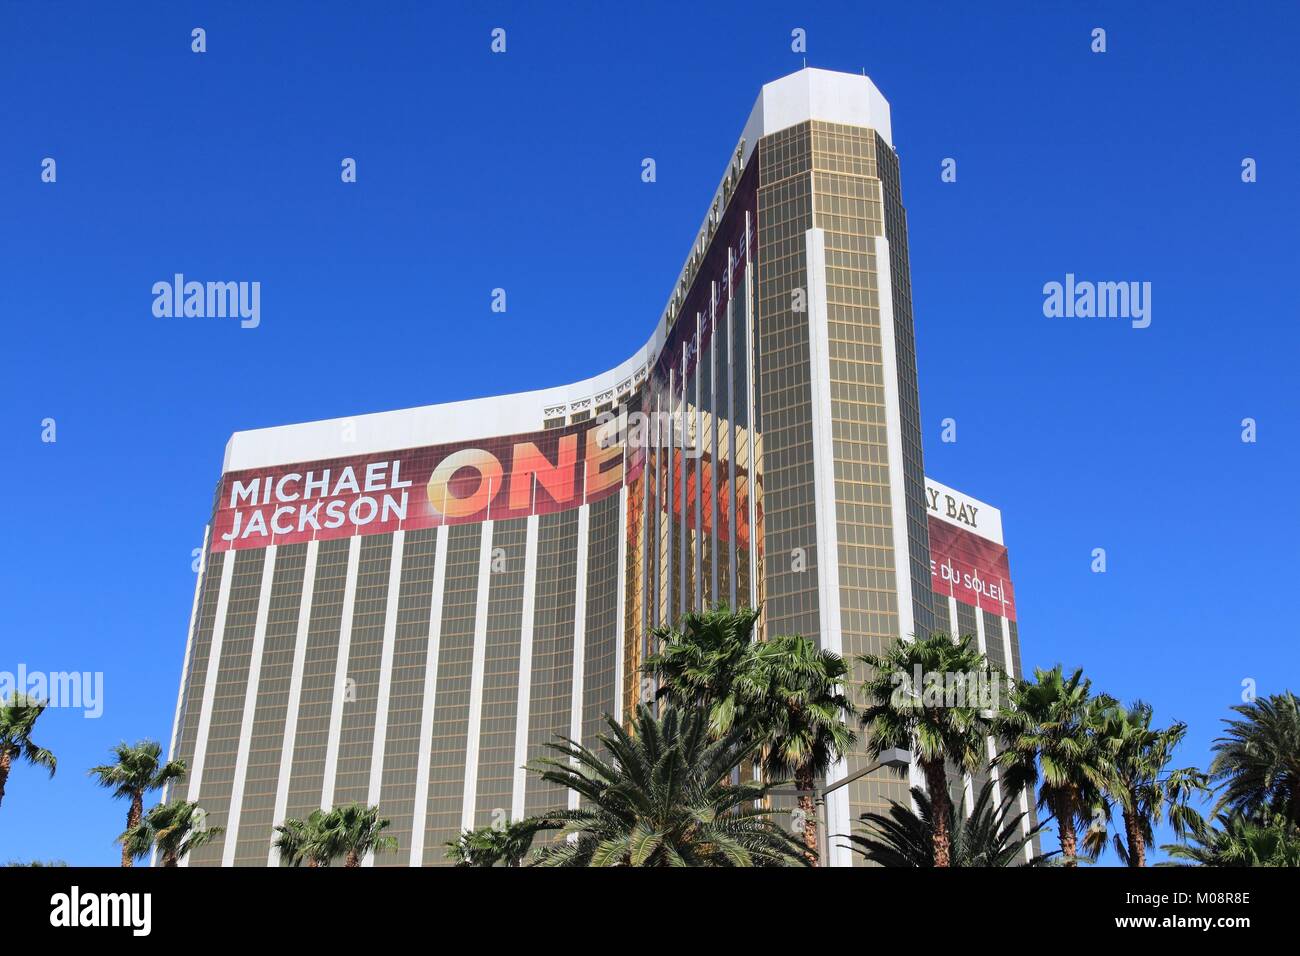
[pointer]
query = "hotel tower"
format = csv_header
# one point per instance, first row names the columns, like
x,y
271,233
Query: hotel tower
x,y
403,608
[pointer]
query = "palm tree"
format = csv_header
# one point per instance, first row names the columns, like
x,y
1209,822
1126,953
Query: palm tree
x,y
987,836
660,797
1239,841
1257,761
36,863
175,829
351,832
936,726
1142,786
300,842
787,690
1055,722
136,771
490,845
17,717
799,717
705,662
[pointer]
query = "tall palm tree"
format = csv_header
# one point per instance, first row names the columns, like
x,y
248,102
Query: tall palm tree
x,y
1257,761
137,770
786,689
938,727
301,842
659,796
799,717
1054,722
490,845
1142,785
175,829
352,831
17,717
1239,840
988,836
706,662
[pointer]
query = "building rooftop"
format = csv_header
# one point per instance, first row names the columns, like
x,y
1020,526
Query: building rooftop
x,y
848,98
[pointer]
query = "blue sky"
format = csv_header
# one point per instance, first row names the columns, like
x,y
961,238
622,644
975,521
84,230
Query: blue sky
x,y
522,171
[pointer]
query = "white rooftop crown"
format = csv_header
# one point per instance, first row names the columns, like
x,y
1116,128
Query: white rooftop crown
x,y
810,94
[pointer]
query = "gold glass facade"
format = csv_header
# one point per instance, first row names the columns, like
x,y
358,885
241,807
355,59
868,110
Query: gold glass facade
x,y
773,372
411,650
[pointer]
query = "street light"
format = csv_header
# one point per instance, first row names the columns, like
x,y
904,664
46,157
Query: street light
x,y
895,757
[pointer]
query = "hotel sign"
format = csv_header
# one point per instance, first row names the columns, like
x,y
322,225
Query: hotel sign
x,y
967,558
961,510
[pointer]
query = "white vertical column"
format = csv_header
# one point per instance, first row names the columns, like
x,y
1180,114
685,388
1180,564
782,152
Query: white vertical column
x,y
1011,672
988,741
517,801
751,414
194,790
894,438
732,431
683,521
231,835
295,693
420,814
185,664
341,674
653,568
646,548
1006,648
669,501
968,782
714,418
828,564
579,635
469,793
897,472
620,625
384,691
185,673
697,420
210,678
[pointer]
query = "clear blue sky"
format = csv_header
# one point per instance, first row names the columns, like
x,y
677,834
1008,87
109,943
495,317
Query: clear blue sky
x,y
522,171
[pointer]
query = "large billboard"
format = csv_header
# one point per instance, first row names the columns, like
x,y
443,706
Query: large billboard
x,y
489,479
967,558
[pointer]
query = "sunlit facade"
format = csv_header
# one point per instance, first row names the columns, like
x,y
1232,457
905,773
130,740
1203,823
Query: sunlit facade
x,y
403,608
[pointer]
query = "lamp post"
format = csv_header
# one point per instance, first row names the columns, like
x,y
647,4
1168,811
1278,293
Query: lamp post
x,y
895,757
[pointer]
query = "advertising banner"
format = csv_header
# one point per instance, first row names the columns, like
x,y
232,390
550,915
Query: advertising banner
x,y
490,479
970,568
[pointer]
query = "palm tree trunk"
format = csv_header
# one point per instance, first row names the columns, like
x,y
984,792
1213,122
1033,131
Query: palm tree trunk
x,y
936,781
133,816
6,761
1137,844
170,859
803,781
353,859
1063,808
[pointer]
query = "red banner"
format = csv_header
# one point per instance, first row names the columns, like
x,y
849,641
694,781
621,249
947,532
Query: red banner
x,y
972,569
496,478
